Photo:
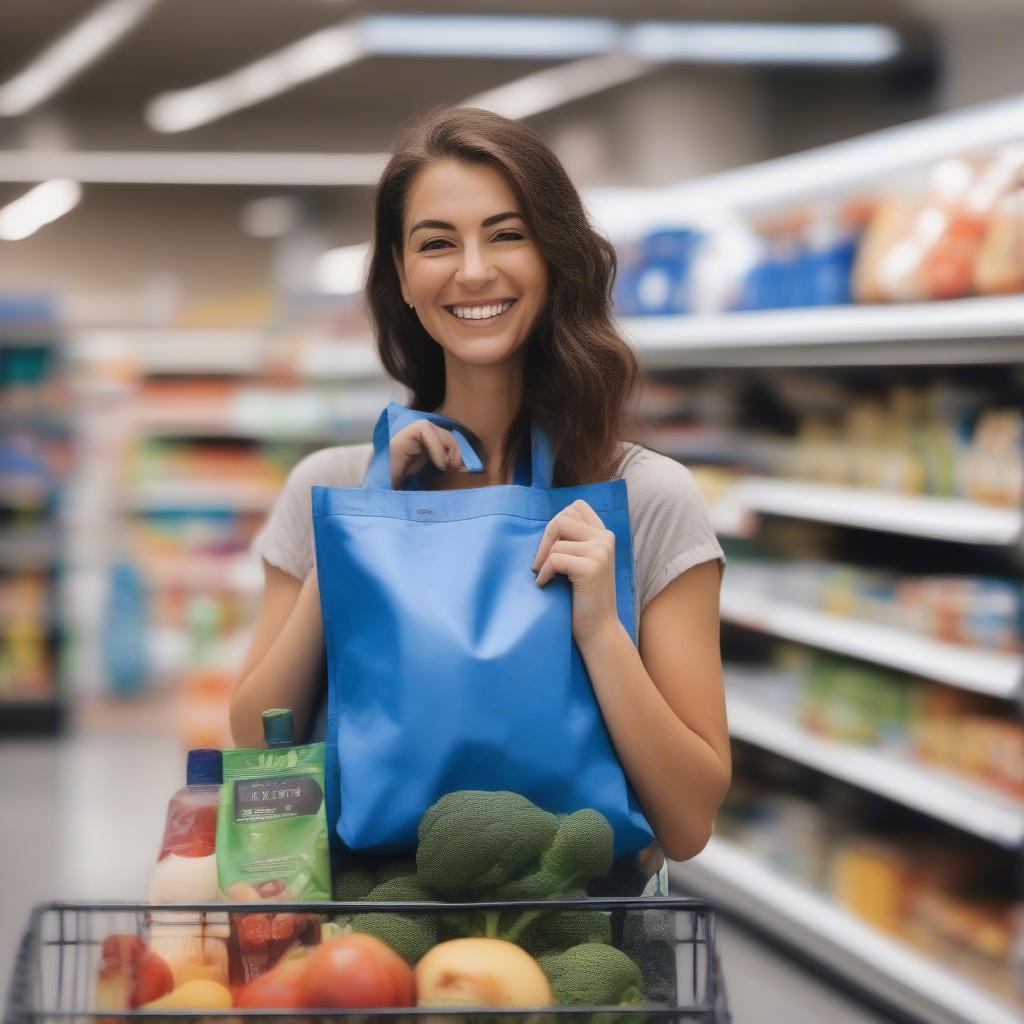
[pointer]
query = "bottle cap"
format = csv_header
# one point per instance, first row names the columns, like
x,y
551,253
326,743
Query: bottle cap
x,y
205,767
278,727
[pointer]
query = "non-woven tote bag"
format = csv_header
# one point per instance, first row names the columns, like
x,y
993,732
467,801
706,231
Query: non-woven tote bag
x,y
448,667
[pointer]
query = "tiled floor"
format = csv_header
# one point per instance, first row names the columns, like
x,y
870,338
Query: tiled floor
x,y
83,819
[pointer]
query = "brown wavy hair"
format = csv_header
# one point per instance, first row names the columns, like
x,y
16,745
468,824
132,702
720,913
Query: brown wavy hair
x,y
579,374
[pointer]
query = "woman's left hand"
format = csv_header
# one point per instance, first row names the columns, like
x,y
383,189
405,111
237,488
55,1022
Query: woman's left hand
x,y
577,544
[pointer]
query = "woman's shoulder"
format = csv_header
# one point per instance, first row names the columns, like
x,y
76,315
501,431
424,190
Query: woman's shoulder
x,y
653,477
342,465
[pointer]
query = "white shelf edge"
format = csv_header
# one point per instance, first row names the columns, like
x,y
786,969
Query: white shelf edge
x,y
952,519
738,881
941,795
992,672
1000,316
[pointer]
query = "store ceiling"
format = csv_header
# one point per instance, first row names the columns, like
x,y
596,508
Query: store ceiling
x,y
185,42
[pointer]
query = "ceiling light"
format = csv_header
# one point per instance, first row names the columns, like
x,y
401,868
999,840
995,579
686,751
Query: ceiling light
x,y
309,58
71,54
710,42
197,168
270,217
452,35
342,271
39,206
553,87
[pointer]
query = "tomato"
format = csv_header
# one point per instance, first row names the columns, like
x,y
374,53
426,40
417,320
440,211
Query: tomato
x,y
153,979
356,972
277,989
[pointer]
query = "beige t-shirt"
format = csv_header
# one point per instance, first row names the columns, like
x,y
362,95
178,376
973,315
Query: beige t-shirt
x,y
668,519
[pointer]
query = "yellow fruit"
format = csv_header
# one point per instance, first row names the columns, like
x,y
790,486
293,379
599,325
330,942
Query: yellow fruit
x,y
480,972
200,994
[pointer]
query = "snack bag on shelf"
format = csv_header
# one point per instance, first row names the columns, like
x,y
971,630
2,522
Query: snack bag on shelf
x,y
999,265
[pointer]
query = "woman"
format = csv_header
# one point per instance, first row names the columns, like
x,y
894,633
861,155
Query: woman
x,y
489,292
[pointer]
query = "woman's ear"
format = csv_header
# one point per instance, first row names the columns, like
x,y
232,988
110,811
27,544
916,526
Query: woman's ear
x,y
400,270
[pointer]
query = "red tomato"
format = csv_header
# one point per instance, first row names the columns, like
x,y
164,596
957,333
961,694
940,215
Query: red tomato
x,y
356,972
153,979
277,989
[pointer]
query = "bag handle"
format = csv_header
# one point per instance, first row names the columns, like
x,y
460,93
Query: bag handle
x,y
394,417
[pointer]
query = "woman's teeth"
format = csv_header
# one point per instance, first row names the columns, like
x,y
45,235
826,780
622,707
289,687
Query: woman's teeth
x,y
481,312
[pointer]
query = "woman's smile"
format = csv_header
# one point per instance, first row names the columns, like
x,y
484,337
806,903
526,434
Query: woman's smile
x,y
480,316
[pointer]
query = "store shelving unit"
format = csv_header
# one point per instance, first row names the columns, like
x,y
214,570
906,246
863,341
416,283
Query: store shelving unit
x,y
737,882
32,430
996,673
969,806
889,339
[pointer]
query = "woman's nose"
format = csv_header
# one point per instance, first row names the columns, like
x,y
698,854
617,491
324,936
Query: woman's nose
x,y
476,268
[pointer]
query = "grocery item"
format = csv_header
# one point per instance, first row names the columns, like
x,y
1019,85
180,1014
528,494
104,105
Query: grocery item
x,y
129,974
272,843
194,945
594,974
201,994
481,972
356,972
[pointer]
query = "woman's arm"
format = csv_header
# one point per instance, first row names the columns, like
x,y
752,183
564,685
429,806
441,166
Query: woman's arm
x,y
664,706
285,659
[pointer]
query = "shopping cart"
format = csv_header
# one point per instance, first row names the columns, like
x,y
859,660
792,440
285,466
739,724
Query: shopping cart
x,y
672,939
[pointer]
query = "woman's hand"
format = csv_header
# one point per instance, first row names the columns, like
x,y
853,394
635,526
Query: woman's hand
x,y
419,443
577,544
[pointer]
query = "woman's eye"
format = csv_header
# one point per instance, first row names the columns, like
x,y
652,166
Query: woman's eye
x,y
513,235
432,243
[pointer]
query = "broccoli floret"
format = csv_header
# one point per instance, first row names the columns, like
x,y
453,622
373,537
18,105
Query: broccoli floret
x,y
593,974
409,935
472,841
559,930
353,883
398,868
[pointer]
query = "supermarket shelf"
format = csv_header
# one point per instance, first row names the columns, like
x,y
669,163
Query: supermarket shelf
x,y
992,672
187,351
950,519
172,495
808,921
30,718
972,330
942,795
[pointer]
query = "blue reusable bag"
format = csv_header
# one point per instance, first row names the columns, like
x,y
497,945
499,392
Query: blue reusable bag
x,y
448,667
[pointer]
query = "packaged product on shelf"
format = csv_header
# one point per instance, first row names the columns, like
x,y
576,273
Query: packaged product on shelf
x,y
992,470
193,946
272,844
871,878
999,266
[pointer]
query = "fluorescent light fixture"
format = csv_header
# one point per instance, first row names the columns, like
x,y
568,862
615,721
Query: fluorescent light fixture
x,y
455,35
39,206
519,36
197,168
749,43
554,87
342,271
302,61
71,54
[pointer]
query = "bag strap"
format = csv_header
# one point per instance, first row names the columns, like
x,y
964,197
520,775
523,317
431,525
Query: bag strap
x,y
394,417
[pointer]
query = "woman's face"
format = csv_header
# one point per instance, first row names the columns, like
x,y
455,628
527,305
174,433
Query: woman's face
x,y
466,254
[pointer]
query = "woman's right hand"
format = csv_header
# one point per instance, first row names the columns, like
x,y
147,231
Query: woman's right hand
x,y
422,441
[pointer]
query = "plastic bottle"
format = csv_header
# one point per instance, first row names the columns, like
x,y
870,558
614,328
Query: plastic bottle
x,y
194,945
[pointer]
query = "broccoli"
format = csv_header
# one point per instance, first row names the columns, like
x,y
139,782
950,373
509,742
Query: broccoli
x,y
353,883
472,841
409,935
593,974
477,845
557,931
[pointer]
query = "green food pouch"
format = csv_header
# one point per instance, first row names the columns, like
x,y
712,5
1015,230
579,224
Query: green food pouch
x,y
272,844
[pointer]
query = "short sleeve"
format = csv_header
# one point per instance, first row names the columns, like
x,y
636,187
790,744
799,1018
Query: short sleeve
x,y
670,524
286,537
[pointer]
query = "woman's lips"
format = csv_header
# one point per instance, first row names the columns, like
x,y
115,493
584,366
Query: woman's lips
x,y
482,322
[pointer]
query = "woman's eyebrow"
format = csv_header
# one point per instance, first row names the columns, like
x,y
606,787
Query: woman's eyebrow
x,y
445,226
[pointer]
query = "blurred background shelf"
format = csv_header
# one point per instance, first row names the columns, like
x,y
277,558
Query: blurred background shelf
x,y
996,673
791,913
942,795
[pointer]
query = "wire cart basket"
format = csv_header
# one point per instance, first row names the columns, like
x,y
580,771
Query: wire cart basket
x,y
671,939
